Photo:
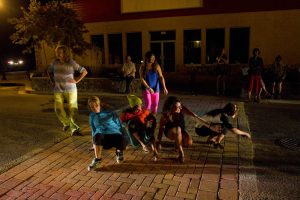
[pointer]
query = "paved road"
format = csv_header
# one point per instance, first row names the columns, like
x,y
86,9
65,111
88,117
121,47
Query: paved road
x,y
277,168
207,174
29,124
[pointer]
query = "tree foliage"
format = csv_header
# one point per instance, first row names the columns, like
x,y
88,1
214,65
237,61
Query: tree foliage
x,y
54,23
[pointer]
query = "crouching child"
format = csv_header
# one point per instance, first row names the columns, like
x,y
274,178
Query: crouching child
x,y
141,125
107,131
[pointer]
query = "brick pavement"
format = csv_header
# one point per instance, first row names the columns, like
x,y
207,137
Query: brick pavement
x,y
60,172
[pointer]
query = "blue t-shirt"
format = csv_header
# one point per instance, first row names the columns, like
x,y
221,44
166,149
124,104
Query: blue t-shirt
x,y
105,122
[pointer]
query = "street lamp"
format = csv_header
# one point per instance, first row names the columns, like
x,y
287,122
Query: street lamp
x,y
1,4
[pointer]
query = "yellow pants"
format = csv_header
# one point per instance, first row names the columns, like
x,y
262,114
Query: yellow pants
x,y
67,119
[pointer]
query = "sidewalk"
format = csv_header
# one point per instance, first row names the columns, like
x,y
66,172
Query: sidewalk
x,y
60,172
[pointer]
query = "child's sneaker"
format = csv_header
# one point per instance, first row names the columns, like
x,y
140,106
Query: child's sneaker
x,y
95,162
119,156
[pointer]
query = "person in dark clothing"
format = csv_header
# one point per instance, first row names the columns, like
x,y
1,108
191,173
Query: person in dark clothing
x,y
172,124
222,71
220,116
141,125
255,69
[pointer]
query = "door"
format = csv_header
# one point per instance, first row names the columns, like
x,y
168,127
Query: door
x,y
165,54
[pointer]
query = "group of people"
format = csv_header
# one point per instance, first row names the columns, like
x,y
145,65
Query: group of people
x,y
136,125
252,76
256,82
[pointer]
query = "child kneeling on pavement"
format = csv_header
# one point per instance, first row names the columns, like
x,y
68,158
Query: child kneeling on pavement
x,y
220,116
141,125
107,131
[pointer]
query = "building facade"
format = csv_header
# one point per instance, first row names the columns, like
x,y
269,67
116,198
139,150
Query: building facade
x,y
185,33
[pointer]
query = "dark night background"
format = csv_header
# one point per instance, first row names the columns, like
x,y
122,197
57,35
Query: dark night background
x,y
8,50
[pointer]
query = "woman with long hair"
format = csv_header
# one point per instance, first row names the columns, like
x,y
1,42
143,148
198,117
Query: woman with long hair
x,y
151,77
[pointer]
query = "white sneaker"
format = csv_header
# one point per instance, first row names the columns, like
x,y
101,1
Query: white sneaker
x,y
95,162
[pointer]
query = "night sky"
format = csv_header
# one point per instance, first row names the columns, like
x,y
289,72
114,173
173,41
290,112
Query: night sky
x,y
10,9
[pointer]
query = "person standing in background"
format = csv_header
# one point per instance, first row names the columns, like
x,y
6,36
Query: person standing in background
x,y
222,71
255,69
128,71
151,77
61,74
278,76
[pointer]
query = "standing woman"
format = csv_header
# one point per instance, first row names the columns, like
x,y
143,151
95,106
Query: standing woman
x,y
222,71
255,69
61,73
150,75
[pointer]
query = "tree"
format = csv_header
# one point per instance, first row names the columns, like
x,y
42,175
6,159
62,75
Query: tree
x,y
53,23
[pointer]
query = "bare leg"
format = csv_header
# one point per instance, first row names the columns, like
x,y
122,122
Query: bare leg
x,y
279,88
273,88
220,138
98,151
176,134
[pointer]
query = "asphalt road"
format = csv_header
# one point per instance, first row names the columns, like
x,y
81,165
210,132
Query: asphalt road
x,y
28,124
277,168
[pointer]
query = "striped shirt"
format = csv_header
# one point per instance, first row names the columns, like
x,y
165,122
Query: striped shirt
x,y
63,72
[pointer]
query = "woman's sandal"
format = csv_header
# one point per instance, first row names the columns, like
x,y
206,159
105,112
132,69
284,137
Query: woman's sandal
x,y
181,159
145,149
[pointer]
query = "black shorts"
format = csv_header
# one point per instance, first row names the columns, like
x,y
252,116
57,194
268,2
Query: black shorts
x,y
108,140
204,131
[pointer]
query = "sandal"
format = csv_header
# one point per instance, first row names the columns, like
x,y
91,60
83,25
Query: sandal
x,y
181,158
145,149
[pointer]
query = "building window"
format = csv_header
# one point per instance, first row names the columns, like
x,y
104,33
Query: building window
x,y
134,46
192,46
239,45
162,44
214,44
115,48
98,46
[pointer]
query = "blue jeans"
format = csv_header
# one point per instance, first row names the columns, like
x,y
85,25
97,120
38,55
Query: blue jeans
x,y
67,119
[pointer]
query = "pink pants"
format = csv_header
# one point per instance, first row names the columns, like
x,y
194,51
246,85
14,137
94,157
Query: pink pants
x,y
257,80
151,101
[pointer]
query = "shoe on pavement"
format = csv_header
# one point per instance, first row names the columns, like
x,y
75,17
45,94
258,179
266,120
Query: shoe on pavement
x,y
218,145
181,159
65,128
76,133
95,162
119,156
145,149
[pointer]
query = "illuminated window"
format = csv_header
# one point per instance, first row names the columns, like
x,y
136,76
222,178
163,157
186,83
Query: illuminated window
x,y
192,46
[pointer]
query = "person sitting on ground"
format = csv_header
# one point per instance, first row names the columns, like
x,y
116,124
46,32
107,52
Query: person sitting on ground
x,y
220,116
107,131
172,124
141,124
